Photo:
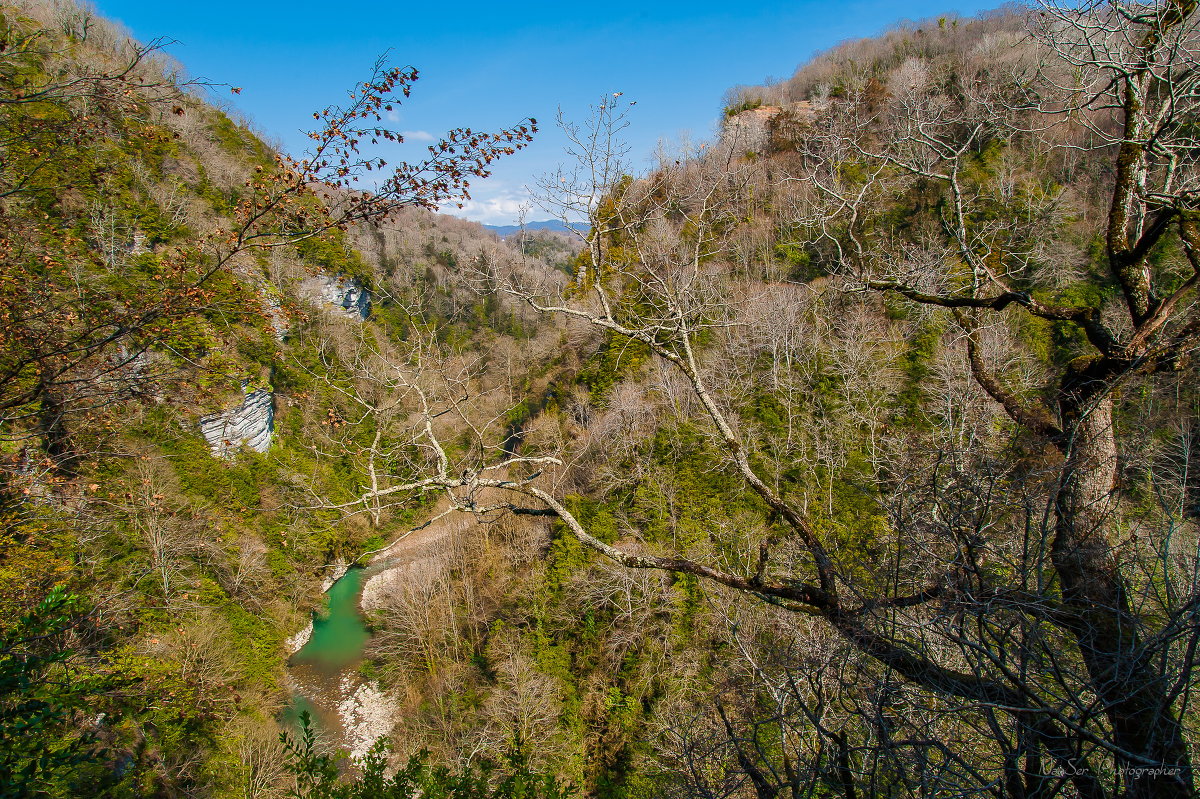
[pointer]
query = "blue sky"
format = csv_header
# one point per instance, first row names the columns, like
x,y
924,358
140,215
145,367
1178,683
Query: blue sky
x,y
490,65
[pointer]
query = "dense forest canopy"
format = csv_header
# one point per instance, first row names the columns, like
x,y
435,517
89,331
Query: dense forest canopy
x,y
850,454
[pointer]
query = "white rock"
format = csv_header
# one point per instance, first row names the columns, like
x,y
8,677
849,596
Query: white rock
x,y
297,641
250,424
273,309
345,294
337,570
367,714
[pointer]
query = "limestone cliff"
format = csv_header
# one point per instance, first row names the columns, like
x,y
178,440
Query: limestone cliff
x,y
251,424
343,294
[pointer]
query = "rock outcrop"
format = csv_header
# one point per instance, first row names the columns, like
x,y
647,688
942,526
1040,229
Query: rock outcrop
x,y
250,424
749,131
273,310
367,713
344,294
763,129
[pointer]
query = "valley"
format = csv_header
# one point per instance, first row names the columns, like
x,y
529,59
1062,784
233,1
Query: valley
x,y
850,452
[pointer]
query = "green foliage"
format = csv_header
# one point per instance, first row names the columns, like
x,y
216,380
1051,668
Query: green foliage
x,y
318,776
238,140
333,255
749,104
236,485
42,692
617,358
798,261
565,558
922,346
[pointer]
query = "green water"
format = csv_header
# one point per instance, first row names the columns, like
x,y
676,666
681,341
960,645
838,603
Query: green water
x,y
289,717
338,637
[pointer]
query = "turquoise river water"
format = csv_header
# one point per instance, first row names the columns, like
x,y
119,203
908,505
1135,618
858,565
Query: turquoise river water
x,y
339,635
336,645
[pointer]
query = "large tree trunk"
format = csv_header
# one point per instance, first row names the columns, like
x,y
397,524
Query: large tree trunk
x,y
52,428
1154,760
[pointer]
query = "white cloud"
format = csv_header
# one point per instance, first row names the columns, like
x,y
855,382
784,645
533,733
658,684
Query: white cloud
x,y
502,207
417,135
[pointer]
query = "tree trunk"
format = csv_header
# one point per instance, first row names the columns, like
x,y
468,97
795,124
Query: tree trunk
x,y
1154,760
52,428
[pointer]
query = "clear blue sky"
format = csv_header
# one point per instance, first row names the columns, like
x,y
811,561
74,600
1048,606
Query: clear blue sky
x,y
490,65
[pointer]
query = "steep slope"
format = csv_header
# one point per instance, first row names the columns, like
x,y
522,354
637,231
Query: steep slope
x,y
853,455
168,380
887,410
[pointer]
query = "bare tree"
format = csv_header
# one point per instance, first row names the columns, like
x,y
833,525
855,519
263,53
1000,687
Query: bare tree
x,y
1040,633
1130,102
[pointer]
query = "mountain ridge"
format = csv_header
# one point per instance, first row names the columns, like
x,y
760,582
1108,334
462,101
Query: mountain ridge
x,y
550,225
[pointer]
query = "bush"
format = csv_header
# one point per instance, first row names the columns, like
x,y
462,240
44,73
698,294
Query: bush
x,y
317,776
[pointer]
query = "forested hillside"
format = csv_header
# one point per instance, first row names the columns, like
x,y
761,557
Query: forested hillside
x,y
850,454
182,310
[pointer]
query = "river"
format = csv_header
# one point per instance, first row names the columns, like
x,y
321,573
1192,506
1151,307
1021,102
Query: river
x,y
353,711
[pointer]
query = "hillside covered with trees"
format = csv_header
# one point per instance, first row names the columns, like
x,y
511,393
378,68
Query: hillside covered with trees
x,y
850,454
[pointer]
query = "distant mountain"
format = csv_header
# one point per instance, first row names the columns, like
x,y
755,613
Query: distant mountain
x,y
553,225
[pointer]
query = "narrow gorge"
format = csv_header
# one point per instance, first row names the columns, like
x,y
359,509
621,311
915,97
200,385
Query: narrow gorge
x,y
323,670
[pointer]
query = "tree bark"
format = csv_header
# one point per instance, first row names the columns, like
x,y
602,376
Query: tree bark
x,y
52,428
1153,757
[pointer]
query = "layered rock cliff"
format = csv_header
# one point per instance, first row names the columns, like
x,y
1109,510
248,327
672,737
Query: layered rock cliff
x,y
250,424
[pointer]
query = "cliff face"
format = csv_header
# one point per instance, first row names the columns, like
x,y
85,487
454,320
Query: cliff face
x,y
250,424
342,294
757,130
749,131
